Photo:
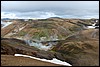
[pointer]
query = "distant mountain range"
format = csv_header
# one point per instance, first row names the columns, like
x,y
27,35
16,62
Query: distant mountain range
x,y
5,19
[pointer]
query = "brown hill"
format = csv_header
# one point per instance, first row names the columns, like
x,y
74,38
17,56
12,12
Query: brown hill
x,y
82,48
10,60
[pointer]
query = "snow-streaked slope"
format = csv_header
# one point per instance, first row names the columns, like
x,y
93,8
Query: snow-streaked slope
x,y
5,23
54,60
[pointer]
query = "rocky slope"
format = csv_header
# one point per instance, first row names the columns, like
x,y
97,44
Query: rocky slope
x,y
11,46
76,52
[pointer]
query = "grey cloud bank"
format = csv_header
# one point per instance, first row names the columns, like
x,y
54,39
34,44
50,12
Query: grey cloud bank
x,y
45,9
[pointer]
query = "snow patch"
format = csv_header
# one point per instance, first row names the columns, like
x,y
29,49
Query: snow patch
x,y
93,26
5,24
90,27
54,60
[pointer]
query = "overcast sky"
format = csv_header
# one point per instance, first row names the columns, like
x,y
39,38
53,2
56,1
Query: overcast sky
x,y
45,9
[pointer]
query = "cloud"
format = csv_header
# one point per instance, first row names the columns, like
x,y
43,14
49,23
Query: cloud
x,y
43,15
45,9
7,15
28,15
27,6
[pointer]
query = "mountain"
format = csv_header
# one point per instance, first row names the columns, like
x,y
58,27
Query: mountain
x,y
65,39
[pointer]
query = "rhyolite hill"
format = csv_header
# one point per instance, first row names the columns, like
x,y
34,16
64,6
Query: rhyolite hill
x,y
77,45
